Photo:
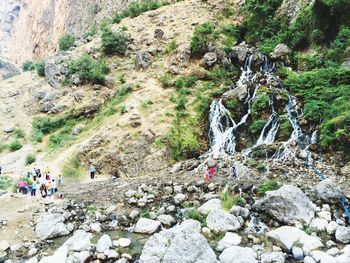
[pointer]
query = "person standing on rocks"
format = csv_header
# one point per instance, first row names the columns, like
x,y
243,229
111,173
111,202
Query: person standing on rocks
x,y
53,187
33,191
92,171
211,172
22,187
233,173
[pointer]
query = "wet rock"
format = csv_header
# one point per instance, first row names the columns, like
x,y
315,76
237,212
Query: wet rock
x,y
237,254
328,191
230,239
182,243
273,257
222,221
342,234
280,51
239,53
287,205
146,226
103,243
287,236
209,60
51,226
212,204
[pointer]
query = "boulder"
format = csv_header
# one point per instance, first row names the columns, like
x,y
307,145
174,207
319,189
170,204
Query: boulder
x,y
331,227
80,241
287,236
328,191
182,243
81,257
146,226
240,211
239,53
167,220
209,60
158,33
237,254
230,239
103,243
124,242
143,60
95,227
51,226
273,257
342,234
212,204
4,245
222,221
346,63
322,257
280,51
345,170
179,198
56,69
287,205
318,224
240,93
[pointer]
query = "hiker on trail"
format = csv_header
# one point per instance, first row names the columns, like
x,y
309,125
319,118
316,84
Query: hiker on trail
x,y
233,172
43,190
211,172
33,191
59,179
48,187
92,171
206,175
22,187
53,187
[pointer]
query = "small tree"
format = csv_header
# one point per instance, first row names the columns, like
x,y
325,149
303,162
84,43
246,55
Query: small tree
x,y
40,68
113,43
65,42
204,35
30,158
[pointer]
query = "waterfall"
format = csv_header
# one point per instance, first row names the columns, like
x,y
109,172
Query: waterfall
x,y
314,137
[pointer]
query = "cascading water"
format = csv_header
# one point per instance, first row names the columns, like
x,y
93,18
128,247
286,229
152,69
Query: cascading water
x,y
222,131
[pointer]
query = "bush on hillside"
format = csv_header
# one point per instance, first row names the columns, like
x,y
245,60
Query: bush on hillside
x,y
28,65
40,68
65,42
114,43
15,146
89,70
30,158
203,37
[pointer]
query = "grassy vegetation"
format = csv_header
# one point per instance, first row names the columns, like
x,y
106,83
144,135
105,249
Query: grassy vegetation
x,y
28,66
171,46
18,133
257,126
65,42
165,80
88,69
227,200
15,145
268,186
137,8
113,43
195,215
30,158
203,37
40,68
73,167
5,182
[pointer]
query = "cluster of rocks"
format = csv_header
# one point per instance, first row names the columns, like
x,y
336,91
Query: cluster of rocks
x,y
191,221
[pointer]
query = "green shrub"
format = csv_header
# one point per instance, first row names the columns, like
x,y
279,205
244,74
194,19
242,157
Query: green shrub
x,y
120,96
122,109
180,83
268,186
37,136
3,147
121,78
30,158
93,31
145,214
227,200
40,68
95,9
46,125
113,43
5,182
28,65
171,46
337,50
65,42
257,126
73,167
165,80
15,146
261,167
88,69
260,103
18,133
190,81
195,215
203,37
285,128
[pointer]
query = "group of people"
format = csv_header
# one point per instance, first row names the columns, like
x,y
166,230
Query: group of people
x,y
40,181
210,171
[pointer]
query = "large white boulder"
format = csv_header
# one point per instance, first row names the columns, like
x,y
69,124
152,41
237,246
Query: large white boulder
x,y
181,243
322,257
212,204
287,236
104,243
273,257
146,226
287,205
237,254
230,239
51,226
80,241
342,234
222,221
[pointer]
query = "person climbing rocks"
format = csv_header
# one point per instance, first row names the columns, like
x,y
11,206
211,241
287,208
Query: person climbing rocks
x,y
43,190
53,187
22,186
211,172
33,191
233,172
92,171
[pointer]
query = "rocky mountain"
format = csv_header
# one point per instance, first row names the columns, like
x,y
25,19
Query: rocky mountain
x,y
219,130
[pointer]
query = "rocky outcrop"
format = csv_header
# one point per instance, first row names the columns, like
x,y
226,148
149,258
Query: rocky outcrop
x,y
281,51
51,226
7,69
237,254
146,226
222,221
182,243
328,191
287,205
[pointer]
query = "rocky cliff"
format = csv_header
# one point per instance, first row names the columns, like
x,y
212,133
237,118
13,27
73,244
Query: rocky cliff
x,y
29,30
